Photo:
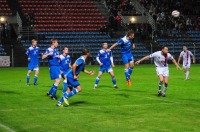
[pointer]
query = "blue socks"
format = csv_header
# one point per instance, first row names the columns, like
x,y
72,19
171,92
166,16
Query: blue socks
x,y
53,90
35,79
97,81
27,79
114,81
68,95
128,72
127,75
64,86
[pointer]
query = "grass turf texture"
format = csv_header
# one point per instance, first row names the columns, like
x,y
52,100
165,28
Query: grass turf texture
x,y
136,108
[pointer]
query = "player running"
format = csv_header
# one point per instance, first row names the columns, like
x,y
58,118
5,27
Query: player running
x,y
33,62
72,77
55,73
160,61
105,60
185,55
65,65
127,57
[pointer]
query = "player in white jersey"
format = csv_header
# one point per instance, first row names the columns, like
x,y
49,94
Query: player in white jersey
x,y
160,61
185,55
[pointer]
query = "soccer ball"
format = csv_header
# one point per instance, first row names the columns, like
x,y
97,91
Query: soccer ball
x,y
175,13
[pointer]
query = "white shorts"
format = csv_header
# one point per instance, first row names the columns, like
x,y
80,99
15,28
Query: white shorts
x,y
186,65
36,69
162,71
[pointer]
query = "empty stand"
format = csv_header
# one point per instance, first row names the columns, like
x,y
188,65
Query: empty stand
x,y
63,15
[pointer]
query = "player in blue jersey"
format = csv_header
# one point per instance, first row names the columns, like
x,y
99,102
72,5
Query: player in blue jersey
x,y
65,65
105,60
33,62
127,56
72,77
54,67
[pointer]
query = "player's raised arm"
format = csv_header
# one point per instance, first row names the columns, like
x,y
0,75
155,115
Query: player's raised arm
x,y
143,59
177,66
113,46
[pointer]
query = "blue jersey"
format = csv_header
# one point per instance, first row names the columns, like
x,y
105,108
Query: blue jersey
x,y
80,62
53,60
126,45
65,62
104,57
33,54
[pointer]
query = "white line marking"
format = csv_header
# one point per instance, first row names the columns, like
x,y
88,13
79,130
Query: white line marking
x,y
6,128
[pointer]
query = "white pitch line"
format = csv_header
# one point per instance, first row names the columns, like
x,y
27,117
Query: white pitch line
x,y
6,128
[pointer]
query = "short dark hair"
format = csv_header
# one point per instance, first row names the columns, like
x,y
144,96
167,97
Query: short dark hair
x,y
85,51
163,47
64,48
103,43
130,32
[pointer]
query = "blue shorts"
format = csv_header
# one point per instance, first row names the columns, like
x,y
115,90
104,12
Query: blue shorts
x,y
65,73
32,67
107,69
55,72
71,81
127,57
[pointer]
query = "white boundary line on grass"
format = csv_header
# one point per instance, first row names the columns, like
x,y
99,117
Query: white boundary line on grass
x,y
6,128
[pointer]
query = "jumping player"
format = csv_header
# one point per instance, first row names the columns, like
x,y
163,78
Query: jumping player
x,y
185,55
54,67
105,60
72,77
127,56
33,62
160,61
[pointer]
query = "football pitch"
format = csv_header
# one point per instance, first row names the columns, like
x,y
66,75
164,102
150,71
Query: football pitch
x,y
136,108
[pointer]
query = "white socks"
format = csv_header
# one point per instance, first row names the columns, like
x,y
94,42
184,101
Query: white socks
x,y
187,75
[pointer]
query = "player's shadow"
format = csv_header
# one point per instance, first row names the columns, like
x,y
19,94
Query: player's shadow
x,y
105,86
78,103
9,92
123,95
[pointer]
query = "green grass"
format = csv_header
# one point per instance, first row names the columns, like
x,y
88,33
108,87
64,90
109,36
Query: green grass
x,y
135,108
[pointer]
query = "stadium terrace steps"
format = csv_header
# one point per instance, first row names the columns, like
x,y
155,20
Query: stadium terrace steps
x,y
76,41
63,15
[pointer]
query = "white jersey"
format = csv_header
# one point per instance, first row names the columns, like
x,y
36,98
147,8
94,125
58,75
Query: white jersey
x,y
161,60
186,57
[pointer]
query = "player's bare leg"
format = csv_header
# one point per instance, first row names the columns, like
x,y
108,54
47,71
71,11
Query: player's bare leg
x,y
28,78
165,86
36,77
97,79
113,79
160,83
